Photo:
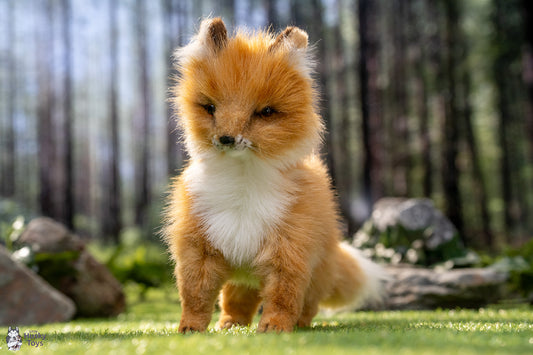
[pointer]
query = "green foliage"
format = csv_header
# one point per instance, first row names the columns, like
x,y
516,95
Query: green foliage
x,y
135,260
150,327
519,263
397,245
12,222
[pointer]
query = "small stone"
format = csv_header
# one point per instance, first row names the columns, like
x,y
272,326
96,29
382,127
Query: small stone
x,y
415,229
64,262
412,288
28,299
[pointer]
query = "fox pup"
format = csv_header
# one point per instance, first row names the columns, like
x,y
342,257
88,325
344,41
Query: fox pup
x,y
252,218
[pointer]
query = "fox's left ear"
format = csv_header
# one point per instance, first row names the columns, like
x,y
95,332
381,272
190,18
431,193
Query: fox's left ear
x,y
291,37
213,33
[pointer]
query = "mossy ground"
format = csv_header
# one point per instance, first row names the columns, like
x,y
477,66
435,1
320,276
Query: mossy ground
x,y
150,327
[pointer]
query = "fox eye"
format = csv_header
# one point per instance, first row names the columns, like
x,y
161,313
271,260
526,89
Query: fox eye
x,y
266,112
210,109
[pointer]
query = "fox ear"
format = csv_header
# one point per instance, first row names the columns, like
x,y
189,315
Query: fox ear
x,y
213,33
292,37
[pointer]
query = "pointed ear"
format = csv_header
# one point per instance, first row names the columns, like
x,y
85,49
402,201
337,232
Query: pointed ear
x,y
213,33
291,37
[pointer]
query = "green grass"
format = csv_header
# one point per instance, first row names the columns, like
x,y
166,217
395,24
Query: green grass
x,y
150,327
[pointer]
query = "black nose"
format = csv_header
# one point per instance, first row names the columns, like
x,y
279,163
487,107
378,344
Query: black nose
x,y
227,140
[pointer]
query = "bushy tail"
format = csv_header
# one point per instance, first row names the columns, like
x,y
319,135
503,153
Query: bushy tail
x,y
358,280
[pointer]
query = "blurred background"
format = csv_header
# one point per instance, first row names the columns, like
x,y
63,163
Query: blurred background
x,y
422,98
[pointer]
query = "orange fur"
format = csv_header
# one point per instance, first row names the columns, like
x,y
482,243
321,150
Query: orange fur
x,y
299,262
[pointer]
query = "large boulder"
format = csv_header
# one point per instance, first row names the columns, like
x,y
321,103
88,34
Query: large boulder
x,y
411,231
26,298
420,288
61,259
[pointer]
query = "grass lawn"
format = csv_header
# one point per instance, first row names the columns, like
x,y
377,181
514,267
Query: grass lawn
x,y
149,327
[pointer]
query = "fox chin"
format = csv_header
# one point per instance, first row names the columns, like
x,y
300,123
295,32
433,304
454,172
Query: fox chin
x,y
253,219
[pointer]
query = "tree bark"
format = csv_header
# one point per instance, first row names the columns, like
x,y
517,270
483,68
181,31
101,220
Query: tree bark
x,y
112,205
401,166
344,184
421,74
68,207
174,21
142,179
450,170
7,156
272,20
478,178
371,115
500,71
318,34
527,71
45,123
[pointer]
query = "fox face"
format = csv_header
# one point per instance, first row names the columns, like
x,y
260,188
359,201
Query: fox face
x,y
249,95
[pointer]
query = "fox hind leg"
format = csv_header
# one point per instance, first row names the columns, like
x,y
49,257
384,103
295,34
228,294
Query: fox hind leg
x,y
239,304
310,309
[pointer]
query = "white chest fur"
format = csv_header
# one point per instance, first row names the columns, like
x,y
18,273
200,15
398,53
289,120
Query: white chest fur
x,y
239,199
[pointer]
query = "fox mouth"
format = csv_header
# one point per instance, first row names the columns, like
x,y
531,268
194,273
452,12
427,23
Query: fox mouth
x,y
231,144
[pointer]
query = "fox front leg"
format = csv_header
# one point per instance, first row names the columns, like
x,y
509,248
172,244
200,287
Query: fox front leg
x,y
201,273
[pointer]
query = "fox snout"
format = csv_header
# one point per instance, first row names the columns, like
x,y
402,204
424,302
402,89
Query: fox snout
x,y
228,143
227,140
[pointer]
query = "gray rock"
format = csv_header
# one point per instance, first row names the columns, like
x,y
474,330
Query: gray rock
x,y
413,214
26,298
62,260
420,288
410,230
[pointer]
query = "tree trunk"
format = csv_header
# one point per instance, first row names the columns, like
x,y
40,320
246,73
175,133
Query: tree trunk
x,y
45,123
478,179
296,13
271,14
500,65
7,156
318,34
450,169
421,74
142,178
174,21
371,115
228,9
343,167
111,201
68,185
527,8
527,74
400,138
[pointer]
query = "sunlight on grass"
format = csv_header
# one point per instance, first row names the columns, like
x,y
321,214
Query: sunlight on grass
x,y
150,327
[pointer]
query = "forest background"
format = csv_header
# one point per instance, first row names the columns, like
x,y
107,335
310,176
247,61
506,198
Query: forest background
x,y
421,98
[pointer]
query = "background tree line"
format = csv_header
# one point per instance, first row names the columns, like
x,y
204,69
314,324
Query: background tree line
x,y
421,98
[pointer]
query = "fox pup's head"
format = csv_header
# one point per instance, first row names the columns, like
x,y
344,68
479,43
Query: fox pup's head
x,y
250,94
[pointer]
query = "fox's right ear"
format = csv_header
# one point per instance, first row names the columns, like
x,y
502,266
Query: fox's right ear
x,y
213,34
291,37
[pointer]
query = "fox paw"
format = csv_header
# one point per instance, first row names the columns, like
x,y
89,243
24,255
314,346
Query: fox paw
x,y
226,323
185,328
274,325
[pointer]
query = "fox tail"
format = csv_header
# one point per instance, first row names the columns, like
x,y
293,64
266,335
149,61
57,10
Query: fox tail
x,y
358,281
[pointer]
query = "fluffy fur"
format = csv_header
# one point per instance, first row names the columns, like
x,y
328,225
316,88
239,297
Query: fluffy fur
x,y
253,218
